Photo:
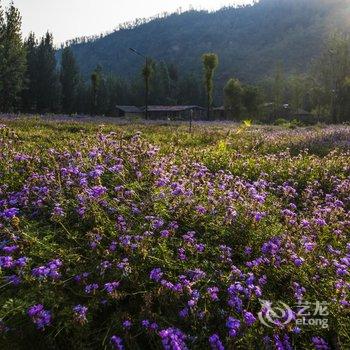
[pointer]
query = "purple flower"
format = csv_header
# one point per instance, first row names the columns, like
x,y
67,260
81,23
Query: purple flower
x,y
215,343
320,222
249,318
96,191
173,339
51,269
10,249
80,312
233,326
181,254
200,209
258,216
10,213
111,287
184,312
91,288
151,326
13,279
127,324
156,274
319,343
39,316
6,262
213,293
21,262
117,343
165,233
282,344
299,291
57,211
248,250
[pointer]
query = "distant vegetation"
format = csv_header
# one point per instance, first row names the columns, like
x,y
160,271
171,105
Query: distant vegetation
x,y
276,60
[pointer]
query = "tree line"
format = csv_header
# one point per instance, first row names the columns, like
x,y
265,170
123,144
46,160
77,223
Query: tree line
x,y
34,78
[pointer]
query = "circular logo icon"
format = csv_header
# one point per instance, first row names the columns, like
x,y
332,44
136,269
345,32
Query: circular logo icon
x,y
275,314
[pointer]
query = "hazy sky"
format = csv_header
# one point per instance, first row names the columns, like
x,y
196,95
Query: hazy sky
x,y
68,19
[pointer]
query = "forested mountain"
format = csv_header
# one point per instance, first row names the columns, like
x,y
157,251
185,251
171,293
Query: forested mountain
x,y
249,40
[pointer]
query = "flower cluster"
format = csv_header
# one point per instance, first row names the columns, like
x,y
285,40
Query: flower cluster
x,y
39,316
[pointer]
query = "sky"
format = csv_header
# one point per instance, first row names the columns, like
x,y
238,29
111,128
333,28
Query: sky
x,y
68,19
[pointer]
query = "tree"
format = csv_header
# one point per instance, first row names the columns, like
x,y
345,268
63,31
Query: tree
x,y
29,93
189,90
12,59
174,80
233,98
297,86
2,30
278,88
48,86
251,100
147,72
344,101
330,74
160,84
210,63
69,81
96,77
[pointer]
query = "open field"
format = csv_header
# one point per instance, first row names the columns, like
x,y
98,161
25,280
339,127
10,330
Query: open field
x,y
144,236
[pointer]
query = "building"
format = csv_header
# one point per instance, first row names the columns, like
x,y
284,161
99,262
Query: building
x,y
219,113
128,111
175,112
302,115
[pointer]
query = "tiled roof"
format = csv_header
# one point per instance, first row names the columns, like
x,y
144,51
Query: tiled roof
x,y
171,108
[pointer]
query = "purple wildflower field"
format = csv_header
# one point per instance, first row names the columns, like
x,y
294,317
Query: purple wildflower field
x,y
146,237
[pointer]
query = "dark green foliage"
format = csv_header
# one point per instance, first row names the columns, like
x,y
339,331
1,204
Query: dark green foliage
x,y
12,59
330,74
29,93
233,99
252,99
96,77
160,84
69,81
48,87
191,91
147,72
210,63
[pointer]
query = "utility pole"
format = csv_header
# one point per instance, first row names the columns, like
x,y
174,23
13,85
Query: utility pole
x,y
191,117
147,89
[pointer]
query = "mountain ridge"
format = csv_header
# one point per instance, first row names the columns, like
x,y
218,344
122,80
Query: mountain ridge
x,y
250,40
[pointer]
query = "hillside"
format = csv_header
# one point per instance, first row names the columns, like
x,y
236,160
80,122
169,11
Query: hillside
x,y
250,40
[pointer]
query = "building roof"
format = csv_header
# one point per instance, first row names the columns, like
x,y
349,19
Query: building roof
x,y
129,109
171,108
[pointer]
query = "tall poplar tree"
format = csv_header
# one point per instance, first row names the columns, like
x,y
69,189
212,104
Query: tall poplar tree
x,y
69,81
12,59
210,62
